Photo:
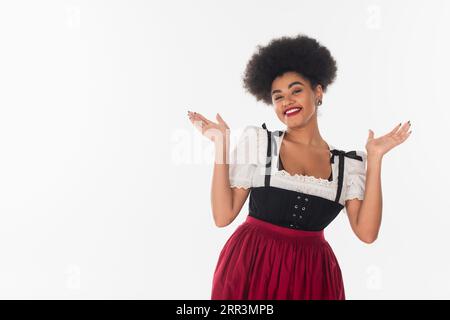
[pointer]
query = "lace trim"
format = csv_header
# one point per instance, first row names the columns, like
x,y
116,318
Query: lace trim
x,y
306,178
240,184
354,196
313,188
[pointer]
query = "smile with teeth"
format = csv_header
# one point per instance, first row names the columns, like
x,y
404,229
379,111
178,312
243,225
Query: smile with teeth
x,y
292,111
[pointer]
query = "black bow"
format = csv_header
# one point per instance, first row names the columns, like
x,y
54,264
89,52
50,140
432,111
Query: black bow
x,y
349,154
342,154
278,132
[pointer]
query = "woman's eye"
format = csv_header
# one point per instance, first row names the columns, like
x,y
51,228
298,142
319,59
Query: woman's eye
x,y
295,91
298,90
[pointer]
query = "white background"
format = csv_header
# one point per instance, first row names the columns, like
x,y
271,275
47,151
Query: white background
x,y
105,184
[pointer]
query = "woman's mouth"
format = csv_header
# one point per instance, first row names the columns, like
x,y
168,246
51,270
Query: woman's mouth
x,y
293,112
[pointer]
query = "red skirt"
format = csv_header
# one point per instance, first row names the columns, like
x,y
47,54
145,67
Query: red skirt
x,y
262,261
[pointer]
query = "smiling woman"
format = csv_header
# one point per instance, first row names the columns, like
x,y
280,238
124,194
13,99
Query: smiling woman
x,y
280,252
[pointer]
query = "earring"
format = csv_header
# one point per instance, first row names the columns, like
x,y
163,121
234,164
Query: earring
x,y
319,102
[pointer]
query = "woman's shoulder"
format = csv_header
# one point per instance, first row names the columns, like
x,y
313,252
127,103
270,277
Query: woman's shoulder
x,y
260,134
253,133
251,128
252,142
357,155
352,155
355,160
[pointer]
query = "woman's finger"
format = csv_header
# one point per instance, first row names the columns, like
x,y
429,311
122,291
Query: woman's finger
x,y
195,116
202,118
221,121
402,131
394,130
405,127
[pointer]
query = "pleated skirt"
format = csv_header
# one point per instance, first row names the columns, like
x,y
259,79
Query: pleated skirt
x,y
264,261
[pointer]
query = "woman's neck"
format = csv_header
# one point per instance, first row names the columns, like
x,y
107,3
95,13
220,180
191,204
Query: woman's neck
x,y
308,136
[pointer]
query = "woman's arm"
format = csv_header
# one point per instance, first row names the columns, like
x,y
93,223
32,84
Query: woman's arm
x,y
226,202
365,215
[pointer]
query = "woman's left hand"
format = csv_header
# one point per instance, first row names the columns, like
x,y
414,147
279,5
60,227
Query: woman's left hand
x,y
381,145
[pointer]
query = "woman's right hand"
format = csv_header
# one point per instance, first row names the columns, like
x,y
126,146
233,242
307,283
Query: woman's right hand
x,y
208,128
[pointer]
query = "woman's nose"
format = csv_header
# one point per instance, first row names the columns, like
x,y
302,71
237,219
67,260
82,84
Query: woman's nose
x,y
288,102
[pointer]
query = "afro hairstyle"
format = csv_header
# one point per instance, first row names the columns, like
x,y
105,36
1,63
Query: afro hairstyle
x,y
301,54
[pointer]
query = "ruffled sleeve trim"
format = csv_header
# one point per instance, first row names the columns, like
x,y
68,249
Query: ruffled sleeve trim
x,y
244,158
356,176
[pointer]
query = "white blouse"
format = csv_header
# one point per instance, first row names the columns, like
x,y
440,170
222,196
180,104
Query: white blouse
x,y
247,165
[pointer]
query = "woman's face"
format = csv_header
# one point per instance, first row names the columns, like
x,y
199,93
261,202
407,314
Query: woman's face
x,y
291,90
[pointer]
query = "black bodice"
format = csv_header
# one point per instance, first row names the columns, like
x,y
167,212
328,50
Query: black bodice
x,y
294,209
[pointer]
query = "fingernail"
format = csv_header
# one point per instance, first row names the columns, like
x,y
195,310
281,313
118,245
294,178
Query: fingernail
x,y
409,122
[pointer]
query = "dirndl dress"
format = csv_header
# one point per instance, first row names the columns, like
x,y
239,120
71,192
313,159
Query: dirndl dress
x,y
280,252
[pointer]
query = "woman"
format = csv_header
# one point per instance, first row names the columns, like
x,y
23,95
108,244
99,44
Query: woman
x,y
298,183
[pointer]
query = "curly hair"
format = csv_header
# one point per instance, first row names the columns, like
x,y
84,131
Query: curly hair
x,y
301,54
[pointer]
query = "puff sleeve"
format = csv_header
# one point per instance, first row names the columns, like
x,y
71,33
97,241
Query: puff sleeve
x,y
243,159
356,176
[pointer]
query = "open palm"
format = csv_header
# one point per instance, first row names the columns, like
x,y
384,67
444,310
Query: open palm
x,y
208,128
381,145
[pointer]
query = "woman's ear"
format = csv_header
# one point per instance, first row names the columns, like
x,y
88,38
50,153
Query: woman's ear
x,y
319,92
